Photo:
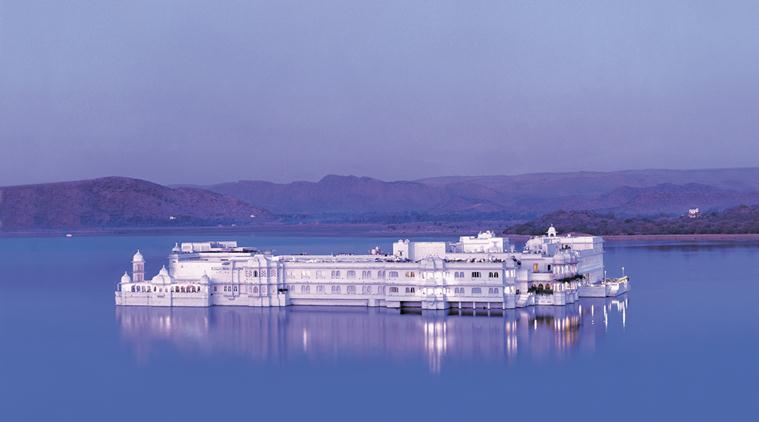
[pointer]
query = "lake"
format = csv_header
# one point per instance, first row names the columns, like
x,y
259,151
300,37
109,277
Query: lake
x,y
682,344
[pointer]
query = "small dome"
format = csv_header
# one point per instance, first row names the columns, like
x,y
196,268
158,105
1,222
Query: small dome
x,y
138,257
552,231
125,278
162,277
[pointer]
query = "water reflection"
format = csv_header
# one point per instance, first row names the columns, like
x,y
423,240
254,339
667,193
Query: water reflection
x,y
322,334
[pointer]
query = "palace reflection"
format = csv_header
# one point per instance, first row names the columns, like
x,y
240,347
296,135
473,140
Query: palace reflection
x,y
322,334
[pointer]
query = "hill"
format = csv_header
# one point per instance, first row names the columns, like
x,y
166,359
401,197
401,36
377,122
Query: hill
x,y
638,192
117,202
741,219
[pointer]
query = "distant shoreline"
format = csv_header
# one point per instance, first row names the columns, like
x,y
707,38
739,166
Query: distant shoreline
x,y
338,230
685,237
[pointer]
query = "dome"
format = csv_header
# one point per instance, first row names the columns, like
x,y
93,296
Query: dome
x,y
204,279
125,278
162,277
138,257
552,231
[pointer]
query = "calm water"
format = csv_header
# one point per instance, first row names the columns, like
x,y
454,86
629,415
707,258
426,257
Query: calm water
x,y
683,344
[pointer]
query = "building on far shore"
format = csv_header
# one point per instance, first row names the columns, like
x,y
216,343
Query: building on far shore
x,y
694,213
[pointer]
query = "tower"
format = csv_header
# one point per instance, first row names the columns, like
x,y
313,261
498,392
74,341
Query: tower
x,y
138,268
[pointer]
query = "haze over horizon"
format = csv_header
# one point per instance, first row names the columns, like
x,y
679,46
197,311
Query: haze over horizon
x,y
189,92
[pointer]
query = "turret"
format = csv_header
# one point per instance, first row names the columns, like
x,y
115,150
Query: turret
x,y
138,268
125,278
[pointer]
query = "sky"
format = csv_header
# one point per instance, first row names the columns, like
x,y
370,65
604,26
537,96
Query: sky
x,y
186,91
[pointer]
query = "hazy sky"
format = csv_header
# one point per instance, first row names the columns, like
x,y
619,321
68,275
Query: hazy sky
x,y
207,91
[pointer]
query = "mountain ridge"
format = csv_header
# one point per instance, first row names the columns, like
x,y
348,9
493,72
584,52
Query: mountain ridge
x,y
117,202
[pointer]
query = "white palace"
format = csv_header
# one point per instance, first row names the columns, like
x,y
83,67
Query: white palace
x,y
483,271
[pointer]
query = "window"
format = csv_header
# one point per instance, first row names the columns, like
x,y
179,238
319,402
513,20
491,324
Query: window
x,y
319,274
351,274
410,290
352,289
367,290
549,267
381,274
255,289
393,290
320,288
305,289
335,289
459,290
366,274
393,274
290,274
335,274
493,274
458,274
410,274
305,274
476,290
493,290
475,274
534,268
